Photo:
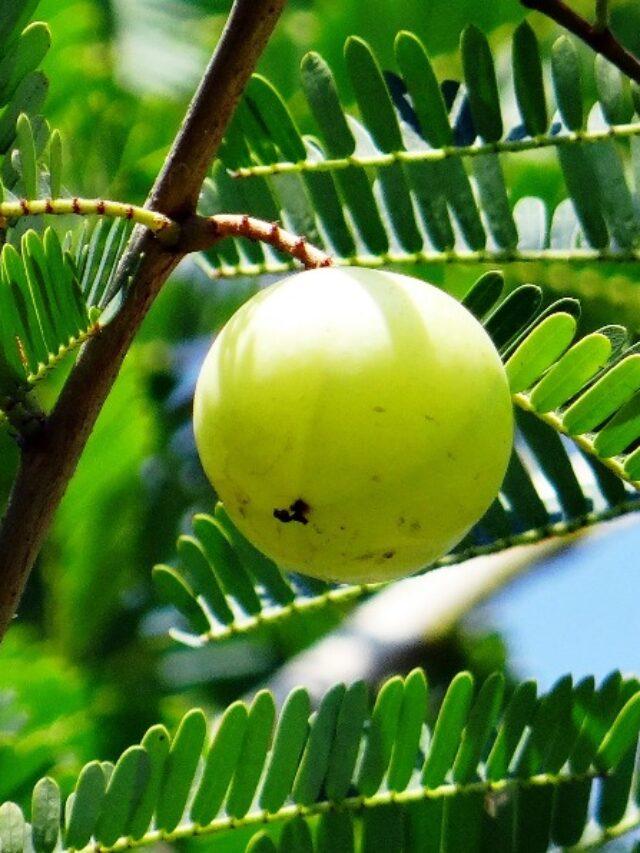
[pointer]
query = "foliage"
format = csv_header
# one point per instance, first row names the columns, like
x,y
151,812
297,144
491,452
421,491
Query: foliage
x,y
473,779
391,187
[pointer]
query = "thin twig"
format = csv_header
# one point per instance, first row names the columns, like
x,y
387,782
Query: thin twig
x,y
193,235
162,226
50,457
566,139
203,232
602,40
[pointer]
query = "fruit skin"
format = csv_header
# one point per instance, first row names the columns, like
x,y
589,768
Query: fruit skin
x,y
355,423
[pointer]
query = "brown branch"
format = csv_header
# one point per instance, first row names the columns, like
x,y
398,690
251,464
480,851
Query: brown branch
x,y
599,38
201,232
50,458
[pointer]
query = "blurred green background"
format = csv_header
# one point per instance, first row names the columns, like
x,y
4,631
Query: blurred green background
x,y
88,667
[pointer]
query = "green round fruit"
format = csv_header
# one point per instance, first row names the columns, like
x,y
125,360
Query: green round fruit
x,y
355,423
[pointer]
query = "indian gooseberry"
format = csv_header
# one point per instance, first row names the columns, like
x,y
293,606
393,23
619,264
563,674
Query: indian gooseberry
x,y
355,423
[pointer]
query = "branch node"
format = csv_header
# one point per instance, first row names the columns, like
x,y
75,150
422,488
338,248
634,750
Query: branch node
x,y
25,417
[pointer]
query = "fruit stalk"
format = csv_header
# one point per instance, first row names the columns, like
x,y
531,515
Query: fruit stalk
x,y
199,232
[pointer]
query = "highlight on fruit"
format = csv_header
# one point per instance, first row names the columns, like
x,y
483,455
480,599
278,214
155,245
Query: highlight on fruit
x,y
355,423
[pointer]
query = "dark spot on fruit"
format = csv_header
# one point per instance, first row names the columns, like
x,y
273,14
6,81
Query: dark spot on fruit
x,y
401,521
415,525
429,418
389,554
342,527
297,511
379,409
450,456
375,478
243,503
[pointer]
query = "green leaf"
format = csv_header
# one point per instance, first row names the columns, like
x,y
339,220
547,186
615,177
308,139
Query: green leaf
x,y
27,98
124,792
582,185
572,798
220,764
621,736
225,563
156,744
518,715
202,578
296,837
252,755
87,805
372,95
179,769
409,731
546,343
462,821
382,830
448,729
504,323
279,123
335,832
382,734
261,843
173,590
424,89
523,498
288,744
614,92
317,753
493,195
565,67
45,815
321,93
599,715
538,753
55,164
29,324
616,199
346,743
529,85
621,431
576,367
12,828
27,149
614,792
484,293
73,316
481,721
632,466
381,121
480,77
610,392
